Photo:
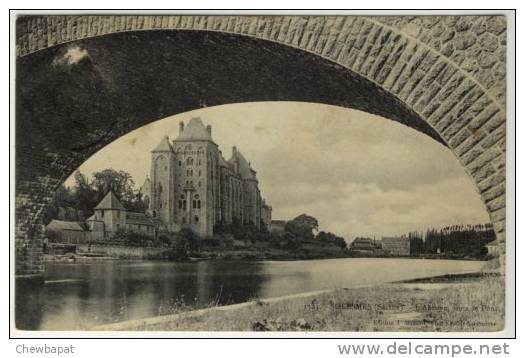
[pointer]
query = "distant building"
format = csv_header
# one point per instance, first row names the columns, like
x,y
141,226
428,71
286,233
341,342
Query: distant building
x,y
111,216
70,232
396,246
363,245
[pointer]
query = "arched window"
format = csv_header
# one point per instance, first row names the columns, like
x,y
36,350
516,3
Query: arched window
x,y
194,204
198,204
196,219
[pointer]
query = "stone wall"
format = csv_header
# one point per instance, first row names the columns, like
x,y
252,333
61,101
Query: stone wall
x,y
447,71
127,252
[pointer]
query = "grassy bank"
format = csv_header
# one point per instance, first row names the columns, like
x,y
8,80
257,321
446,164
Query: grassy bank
x,y
447,304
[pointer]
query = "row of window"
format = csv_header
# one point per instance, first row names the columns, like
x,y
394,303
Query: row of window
x,y
189,148
190,161
189,172
196,204
190,183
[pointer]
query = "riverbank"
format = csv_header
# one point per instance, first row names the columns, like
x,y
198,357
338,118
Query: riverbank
x,y
451,303
255,252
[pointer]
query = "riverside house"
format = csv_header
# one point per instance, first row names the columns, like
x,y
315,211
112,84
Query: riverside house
x,y
109,217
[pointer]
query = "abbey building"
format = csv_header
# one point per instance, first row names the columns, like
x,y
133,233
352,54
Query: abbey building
x,y
192,185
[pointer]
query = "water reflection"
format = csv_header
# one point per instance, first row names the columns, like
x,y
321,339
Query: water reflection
x,y
79,296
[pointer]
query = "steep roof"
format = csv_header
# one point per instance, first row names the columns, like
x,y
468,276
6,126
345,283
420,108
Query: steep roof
x,y
57,225
110,201
195,130
223,162
244,167
144,189
163,146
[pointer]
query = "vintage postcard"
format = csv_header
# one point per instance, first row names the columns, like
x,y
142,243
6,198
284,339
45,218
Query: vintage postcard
x,y
261,173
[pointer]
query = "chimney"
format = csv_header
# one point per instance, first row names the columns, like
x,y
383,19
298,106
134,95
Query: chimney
x,y
234,150
181,127
208,128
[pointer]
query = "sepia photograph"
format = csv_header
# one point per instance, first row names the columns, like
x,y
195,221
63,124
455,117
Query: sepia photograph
x,y
261,173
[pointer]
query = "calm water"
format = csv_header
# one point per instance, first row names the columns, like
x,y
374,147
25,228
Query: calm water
x,y
78,296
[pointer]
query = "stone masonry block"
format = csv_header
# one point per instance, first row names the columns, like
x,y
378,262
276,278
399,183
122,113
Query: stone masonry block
x,y
497,203
491,181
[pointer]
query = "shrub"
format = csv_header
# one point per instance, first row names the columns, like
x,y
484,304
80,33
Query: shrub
x,y
131,238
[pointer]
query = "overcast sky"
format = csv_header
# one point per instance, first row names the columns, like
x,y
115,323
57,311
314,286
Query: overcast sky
x,y
357,173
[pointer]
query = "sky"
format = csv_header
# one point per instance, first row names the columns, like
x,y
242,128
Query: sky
x,y
359,174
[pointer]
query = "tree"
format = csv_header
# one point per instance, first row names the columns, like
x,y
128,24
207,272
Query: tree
x,y
331,238
62,198
302,226
84,196
119,182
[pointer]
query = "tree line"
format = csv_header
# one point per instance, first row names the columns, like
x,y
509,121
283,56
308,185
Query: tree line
x,y
296,232
455,239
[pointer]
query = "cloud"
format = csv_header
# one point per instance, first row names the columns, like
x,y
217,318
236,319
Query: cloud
x,y
357,209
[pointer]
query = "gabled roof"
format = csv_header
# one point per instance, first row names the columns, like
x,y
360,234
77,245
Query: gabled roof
x,y
110,202
57,225
195,130
163,146
244,167
223,162
144,189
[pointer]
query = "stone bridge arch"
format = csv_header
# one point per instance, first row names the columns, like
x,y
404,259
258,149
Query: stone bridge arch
x,y
83,81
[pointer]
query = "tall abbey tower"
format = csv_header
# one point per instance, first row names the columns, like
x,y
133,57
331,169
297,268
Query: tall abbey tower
x,y
191,184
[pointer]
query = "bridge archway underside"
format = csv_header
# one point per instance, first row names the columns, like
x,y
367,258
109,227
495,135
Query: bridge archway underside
x,y
126,72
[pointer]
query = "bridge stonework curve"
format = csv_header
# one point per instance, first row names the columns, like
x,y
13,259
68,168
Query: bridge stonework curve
x,y
450,70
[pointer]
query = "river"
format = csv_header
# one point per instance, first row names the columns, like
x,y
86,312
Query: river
x,y
79,296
